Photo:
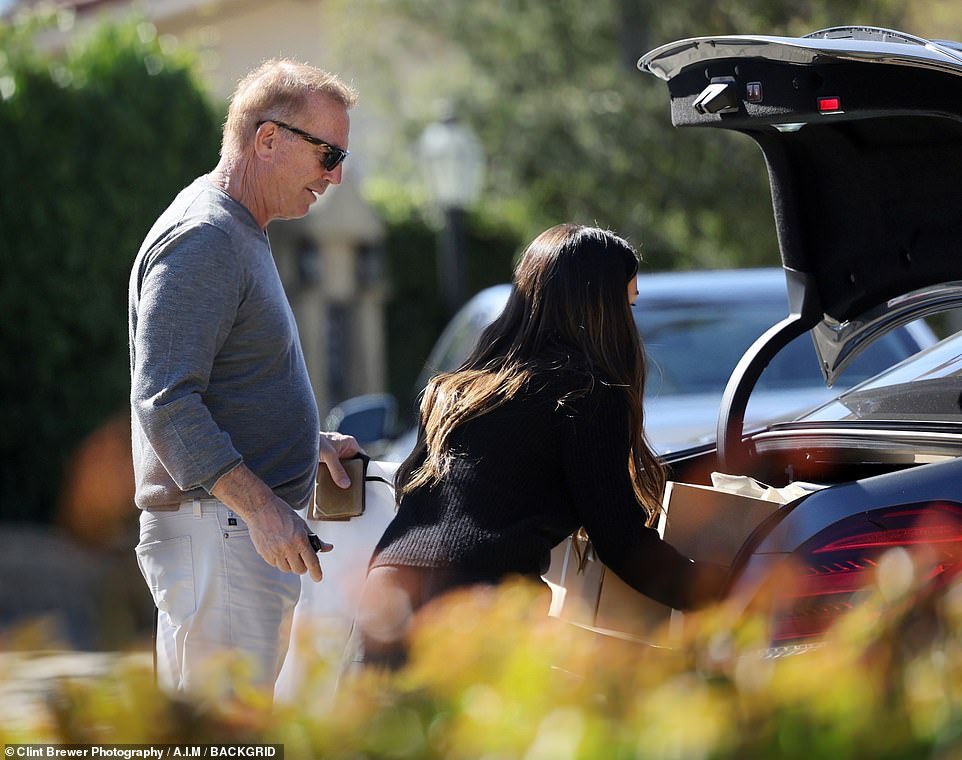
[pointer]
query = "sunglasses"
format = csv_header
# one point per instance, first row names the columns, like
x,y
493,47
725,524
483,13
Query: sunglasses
x,y
332,154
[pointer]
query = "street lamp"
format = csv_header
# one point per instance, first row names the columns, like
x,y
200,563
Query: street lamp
x,y
453,164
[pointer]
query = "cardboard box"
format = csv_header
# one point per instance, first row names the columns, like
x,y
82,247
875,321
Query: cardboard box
x,y
702,522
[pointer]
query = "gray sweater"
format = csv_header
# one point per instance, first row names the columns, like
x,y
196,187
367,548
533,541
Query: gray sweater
x,y
217,372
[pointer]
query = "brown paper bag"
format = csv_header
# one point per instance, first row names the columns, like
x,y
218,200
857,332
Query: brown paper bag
x,y
702,522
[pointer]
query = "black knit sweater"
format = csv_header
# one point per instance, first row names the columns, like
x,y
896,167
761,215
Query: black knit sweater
x,y
528,474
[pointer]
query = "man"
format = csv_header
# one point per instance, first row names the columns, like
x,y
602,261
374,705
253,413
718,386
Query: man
x,y
226,431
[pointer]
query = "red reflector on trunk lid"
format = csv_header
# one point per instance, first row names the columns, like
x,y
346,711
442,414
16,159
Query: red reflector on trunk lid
x,y
829,105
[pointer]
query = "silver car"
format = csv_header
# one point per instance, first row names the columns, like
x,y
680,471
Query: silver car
x,y
695,327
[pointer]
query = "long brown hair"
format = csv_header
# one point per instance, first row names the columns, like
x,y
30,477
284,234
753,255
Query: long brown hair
x,y
569,288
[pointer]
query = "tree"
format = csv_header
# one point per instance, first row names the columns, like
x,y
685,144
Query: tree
x,y
575,130
95,145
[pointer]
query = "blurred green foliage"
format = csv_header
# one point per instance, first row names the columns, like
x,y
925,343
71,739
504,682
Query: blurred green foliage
x,y
96,143
572,129
491,679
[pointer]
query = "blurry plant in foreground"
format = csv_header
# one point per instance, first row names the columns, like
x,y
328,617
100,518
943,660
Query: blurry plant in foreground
x,y
490,678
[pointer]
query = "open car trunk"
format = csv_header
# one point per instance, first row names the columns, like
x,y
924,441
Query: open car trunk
x,y
861,130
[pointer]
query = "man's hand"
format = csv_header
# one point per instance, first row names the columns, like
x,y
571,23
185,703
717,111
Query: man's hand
x,y
333,448
279,535
282,539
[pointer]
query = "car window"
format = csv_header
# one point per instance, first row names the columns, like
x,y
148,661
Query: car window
x,y
694,347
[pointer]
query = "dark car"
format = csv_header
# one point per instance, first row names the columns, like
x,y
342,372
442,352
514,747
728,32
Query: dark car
x,y
861,130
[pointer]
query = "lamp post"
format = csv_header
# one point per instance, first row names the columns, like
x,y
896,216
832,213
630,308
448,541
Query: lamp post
x,y
453,163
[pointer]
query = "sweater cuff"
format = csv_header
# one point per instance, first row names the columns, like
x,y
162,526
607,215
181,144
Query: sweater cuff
x,y
211,483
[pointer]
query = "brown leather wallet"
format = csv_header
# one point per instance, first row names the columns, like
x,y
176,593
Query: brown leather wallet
x,y
331,502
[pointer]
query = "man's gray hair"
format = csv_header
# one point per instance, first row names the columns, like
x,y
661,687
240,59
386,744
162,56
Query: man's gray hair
x,y
278,89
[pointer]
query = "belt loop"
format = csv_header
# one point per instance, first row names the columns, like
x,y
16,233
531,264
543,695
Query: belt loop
x,y
197,510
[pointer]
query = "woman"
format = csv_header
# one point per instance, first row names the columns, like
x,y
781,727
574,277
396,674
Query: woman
x,y
538,433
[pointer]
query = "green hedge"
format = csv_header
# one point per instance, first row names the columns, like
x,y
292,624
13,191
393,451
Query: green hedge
x,y
95,145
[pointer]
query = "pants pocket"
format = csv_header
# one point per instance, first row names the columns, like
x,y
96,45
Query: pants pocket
x,y
168,569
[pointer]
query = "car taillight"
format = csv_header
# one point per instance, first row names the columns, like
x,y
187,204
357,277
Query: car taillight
x,y
830,569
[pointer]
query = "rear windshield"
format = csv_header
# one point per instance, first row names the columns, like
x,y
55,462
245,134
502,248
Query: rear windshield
x,y
694,347
927,387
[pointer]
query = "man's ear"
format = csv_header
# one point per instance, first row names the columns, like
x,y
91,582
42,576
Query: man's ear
x,y
265,140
